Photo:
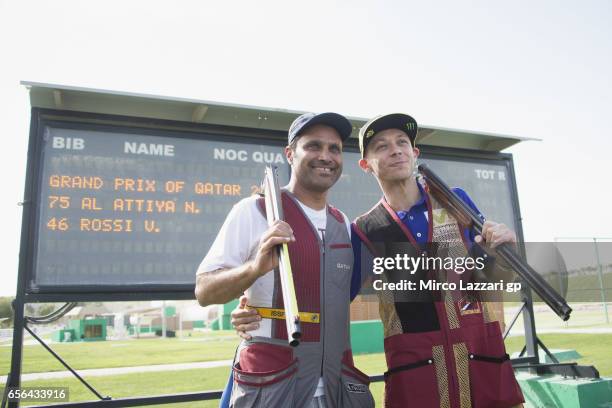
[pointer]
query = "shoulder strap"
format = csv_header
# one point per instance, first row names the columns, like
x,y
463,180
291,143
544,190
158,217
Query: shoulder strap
x,y
336,213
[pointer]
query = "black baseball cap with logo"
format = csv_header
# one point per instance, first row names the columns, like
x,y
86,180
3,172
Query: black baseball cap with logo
x,y
399,121
334,120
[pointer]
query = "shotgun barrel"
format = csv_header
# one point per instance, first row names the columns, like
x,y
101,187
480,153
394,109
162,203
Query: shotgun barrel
x,y
274,212
468,217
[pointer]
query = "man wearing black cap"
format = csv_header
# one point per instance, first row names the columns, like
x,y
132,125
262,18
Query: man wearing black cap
x,y
267,372
442,349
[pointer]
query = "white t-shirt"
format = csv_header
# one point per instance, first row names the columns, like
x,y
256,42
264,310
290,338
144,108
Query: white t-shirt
x,y
237,243
318,218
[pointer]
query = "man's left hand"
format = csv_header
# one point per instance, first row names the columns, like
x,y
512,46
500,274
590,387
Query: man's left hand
x,y
495,234
245,319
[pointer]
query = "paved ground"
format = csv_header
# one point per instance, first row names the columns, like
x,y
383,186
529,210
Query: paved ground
x,y
97,372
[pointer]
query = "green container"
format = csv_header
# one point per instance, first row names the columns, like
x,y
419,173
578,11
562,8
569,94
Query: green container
x,y
64,335
229,306
198,324
57,336
170,311
89,329
226,322
367,336
143,329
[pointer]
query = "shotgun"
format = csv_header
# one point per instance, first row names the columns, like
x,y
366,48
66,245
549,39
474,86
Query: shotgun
x,y
466,216
274,211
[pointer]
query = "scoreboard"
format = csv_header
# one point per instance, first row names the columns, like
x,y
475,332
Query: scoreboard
x,y
118,208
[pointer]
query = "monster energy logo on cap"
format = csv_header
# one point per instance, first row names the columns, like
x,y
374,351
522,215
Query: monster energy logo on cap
x,y
399,121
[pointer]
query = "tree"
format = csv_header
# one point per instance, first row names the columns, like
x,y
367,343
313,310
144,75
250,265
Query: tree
x,y
6,310
46,308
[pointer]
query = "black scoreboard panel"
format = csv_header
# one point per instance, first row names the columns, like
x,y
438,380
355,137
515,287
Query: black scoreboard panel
x,y
123,208
488,183
136,209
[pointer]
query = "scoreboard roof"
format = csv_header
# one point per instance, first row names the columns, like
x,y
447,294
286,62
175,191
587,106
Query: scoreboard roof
x,y
78,99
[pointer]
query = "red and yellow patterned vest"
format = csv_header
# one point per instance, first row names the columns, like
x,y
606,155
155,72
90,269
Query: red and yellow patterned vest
x,y
442,349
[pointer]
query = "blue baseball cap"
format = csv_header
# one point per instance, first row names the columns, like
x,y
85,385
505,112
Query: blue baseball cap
x,y
335,120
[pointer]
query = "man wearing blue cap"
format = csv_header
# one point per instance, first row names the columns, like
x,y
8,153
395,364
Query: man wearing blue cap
x,y
266,371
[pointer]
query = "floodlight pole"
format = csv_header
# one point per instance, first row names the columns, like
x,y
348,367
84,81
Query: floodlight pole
x,y
163,317
180,324
601,283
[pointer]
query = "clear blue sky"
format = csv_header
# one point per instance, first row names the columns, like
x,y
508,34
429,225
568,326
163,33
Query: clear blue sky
x,y
535,69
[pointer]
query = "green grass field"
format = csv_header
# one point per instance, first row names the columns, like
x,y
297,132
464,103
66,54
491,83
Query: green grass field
x,y
584,316
107,354
580,289
595,350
